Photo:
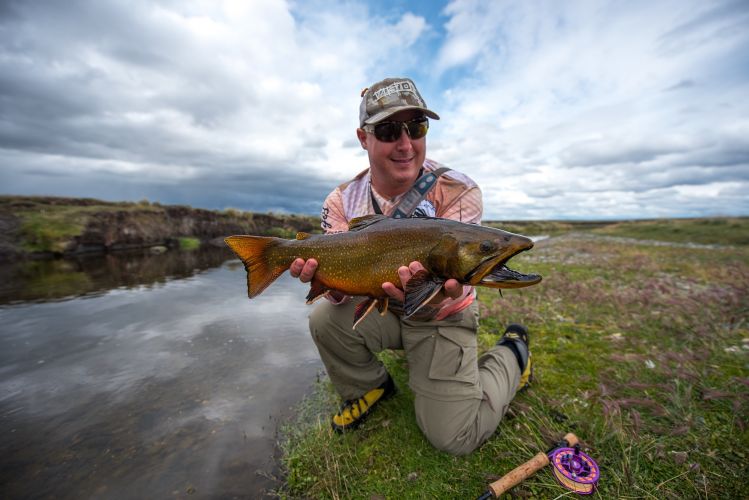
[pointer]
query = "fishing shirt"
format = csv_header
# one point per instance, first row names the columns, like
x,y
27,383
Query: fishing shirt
x,y
454,196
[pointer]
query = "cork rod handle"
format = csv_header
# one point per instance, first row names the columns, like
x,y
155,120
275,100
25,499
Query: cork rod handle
x,y
519,474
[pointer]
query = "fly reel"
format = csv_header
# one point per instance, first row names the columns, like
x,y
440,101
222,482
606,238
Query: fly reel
x,y
574,469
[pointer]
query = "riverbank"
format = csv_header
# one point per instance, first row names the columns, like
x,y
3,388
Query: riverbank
x,y
48,227
640,349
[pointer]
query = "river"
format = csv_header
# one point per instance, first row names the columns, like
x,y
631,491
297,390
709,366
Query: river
x,y
146,375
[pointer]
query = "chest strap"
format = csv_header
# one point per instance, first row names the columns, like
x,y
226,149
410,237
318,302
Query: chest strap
x,y
414,196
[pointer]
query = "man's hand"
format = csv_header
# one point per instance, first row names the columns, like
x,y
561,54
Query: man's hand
x,y
452,289
303,269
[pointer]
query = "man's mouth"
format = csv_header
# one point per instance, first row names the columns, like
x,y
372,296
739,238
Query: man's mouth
x,y
402,160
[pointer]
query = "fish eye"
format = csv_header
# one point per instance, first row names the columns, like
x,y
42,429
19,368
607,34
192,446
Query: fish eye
x,y
486,246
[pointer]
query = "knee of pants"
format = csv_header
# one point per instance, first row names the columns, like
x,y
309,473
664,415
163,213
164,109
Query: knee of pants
x,y
456,444
455,434
325,322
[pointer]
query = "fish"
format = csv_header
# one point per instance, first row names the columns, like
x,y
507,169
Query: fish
x,y
359,261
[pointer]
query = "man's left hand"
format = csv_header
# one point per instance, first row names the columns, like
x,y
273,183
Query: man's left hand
x,y
452,289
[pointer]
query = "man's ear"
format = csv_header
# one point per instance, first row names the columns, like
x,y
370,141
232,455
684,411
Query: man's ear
x,y
362,136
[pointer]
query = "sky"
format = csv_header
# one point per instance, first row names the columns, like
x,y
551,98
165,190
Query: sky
x,y
558,110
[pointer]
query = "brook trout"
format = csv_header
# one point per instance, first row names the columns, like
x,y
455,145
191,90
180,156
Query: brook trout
x,y
359,261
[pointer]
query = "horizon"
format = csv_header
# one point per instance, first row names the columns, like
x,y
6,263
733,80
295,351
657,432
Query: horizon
x,y
297,214
578,110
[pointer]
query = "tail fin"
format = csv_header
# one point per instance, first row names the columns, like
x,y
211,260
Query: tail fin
x,y
255,253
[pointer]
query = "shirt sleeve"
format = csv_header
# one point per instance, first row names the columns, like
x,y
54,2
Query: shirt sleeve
x,y
332,216
468,208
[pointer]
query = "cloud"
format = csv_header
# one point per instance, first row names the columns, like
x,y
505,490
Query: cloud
x,y
554,108
570,102
250,92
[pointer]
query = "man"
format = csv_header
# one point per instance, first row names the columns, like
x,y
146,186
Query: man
x,y
459,400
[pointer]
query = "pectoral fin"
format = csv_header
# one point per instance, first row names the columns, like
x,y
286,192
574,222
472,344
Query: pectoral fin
x,y
363,309
420,289
316,290
382,305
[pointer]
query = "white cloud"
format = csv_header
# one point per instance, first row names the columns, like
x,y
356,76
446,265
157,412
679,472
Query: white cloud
x,y
558,85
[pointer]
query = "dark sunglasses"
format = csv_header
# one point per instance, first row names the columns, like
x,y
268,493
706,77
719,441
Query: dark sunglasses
x,y
391,131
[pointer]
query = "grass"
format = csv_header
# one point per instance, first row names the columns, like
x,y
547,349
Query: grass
x,y
49,231
712,231
186,243
49,224
641,350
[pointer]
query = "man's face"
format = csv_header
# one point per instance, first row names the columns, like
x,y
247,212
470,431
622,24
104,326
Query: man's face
x,y
395,163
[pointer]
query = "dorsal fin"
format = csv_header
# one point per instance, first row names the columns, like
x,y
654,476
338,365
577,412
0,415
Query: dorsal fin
x,y
359,223
302,236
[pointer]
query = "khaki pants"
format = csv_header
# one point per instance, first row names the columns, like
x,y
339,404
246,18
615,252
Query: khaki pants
x,y
459,399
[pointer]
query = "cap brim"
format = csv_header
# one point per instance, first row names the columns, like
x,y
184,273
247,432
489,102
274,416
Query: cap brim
x,y
390,112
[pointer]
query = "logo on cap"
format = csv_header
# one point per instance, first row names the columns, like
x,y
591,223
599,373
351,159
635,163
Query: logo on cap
x,y
393,88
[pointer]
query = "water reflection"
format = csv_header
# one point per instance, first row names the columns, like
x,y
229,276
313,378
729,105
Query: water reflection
x,y
170,385
44,280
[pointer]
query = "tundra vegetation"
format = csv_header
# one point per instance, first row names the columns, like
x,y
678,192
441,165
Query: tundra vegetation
x,y
640,343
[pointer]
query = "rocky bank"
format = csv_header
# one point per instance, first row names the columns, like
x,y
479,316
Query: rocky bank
x,y
48,227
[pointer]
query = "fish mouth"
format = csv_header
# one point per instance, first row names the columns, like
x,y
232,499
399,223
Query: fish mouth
x,y
502,276
494,273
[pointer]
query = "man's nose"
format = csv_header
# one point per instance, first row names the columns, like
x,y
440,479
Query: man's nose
x,y
404,140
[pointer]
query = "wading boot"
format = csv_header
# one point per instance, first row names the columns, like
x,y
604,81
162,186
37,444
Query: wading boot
x,y
354,411
516,339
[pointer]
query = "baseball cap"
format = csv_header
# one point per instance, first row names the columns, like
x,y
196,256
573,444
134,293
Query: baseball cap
x,y
389,96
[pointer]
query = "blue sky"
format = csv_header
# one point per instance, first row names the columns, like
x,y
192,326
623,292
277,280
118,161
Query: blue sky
x,y
559,110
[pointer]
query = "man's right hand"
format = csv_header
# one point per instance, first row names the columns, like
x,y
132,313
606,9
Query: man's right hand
x,y
304,270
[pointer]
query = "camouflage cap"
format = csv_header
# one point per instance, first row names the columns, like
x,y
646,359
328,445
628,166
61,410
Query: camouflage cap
x,y
389,96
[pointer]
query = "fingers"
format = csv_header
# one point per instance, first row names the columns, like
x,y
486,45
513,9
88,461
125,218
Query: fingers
x,y
304,270
393,291
404,274
453,289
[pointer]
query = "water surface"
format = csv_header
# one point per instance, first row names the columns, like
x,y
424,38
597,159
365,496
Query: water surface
x,y
146,376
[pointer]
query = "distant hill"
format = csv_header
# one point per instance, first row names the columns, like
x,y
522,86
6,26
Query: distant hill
x,y
39,227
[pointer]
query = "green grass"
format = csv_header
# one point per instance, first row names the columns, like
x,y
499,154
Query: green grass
x,y
641,350
704,231
49,231
281,232
189,243
538,228
49,224
712,231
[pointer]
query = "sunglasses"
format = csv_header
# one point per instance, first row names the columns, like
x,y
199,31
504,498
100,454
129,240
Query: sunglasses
x,y
391,131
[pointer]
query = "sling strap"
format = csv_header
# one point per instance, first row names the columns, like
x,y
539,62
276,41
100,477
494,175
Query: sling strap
x,y
414,196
